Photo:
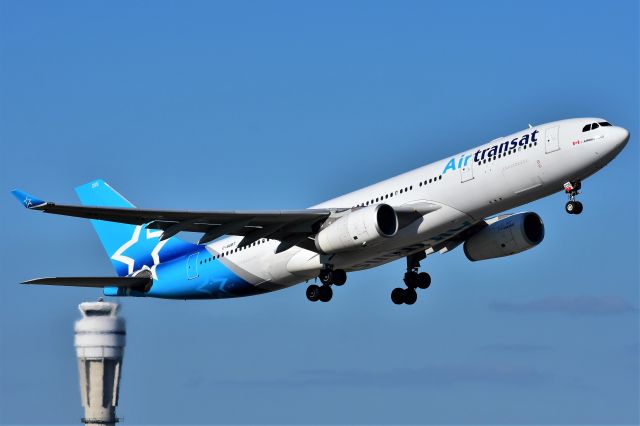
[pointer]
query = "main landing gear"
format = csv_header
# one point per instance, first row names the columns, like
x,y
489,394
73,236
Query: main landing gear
x,y
413,280
573,189
327,276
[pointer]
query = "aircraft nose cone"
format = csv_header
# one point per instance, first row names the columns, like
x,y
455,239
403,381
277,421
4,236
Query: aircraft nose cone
x,y
620,137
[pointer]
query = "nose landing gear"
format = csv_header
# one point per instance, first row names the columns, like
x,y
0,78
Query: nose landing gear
x,y
573,189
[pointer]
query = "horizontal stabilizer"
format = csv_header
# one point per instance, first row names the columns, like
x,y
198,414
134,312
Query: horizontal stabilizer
x,y
143,283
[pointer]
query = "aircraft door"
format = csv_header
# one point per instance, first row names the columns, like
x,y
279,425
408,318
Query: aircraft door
x,y
466,172
552,142
192,266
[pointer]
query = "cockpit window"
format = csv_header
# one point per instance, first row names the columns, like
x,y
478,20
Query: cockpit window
x,y
594,126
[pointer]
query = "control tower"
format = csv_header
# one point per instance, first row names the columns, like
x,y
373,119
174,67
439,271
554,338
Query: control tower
x,y
99,341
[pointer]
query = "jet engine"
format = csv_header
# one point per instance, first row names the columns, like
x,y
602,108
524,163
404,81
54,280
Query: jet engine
x,y
505,236
366,226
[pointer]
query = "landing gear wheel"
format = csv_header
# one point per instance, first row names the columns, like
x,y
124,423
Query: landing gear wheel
x,y
326,276
411,279
397,296
578,209
313,293
573,189
325,293
410,296
339,277
424,280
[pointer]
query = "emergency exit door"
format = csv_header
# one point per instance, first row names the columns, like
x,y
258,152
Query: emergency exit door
x,y
552,142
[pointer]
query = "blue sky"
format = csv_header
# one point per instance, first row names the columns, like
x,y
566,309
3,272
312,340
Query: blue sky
x,y
281,105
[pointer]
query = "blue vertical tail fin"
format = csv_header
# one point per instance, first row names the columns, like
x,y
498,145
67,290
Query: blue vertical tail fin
x,y
131,248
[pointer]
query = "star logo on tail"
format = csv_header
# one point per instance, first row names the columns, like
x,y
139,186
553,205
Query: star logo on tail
x,y
135,240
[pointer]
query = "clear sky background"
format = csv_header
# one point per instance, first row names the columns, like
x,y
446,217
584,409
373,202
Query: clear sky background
x,y
281,105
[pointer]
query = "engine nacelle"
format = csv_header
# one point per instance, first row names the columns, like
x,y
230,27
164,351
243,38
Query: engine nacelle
x,y
358,228
504,237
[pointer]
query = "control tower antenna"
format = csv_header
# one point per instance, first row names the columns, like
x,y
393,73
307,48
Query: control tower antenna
x,y
99,341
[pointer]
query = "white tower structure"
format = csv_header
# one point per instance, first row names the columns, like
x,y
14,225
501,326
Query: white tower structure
x,y
99,341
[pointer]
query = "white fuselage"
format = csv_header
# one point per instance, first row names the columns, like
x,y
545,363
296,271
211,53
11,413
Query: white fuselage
x,y
468,187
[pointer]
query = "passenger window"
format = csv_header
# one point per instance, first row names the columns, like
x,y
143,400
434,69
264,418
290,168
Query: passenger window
x,y
594,126
586,128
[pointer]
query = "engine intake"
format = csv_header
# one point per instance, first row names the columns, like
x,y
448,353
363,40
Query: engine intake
x,y
505,236
358,228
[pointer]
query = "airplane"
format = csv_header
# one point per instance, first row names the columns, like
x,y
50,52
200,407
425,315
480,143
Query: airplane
x,y
432,209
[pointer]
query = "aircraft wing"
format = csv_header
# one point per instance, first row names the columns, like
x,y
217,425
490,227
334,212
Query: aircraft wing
x,y
213,224
290,227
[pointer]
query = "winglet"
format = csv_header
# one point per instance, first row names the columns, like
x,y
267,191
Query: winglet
x,y
27,200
